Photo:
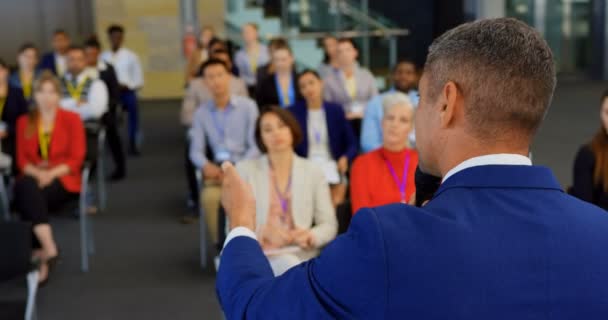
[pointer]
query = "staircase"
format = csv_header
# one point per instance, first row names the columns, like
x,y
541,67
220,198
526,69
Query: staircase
x,y
309,54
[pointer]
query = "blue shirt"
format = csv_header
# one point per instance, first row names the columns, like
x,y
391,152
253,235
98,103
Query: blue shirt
x,y
371,129
229,131
241,60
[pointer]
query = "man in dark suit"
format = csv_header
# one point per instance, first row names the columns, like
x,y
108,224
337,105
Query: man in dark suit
x,y
107,74
56,61
499,239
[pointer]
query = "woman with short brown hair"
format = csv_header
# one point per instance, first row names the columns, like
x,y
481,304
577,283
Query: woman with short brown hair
x,y
295,216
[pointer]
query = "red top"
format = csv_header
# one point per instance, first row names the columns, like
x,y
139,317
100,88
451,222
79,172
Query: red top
x,y
68,146
372,183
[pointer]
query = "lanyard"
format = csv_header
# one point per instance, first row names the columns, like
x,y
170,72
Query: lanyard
x,y
283,199
253,60
76,92
350,85
26,87
44,140
220,128
400,183
285,101
2,104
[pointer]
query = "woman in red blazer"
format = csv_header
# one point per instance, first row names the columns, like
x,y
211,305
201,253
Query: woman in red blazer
x,y
51,149
386,175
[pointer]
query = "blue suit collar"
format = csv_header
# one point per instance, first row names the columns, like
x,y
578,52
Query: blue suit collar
x,y
502,176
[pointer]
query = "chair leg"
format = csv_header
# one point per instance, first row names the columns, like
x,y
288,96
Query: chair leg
x,y
101,184
203,237
91,237
84,235
4,198
32,288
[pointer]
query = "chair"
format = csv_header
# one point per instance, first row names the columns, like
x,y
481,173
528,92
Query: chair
x,y
96,136
15,261
202,223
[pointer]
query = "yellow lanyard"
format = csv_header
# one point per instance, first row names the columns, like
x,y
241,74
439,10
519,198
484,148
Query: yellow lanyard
x,y
253,60
2,104
351,86
44,140
26,87
76,92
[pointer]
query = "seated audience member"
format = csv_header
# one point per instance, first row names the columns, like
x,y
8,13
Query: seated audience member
x,y
49,157
279,88
352,87
591,165
330,59
268,69
328,138
198,93
225,127
386,175
294,211
12,105
405,78
23,77
82,94
97,68
201,54
252,55
56,61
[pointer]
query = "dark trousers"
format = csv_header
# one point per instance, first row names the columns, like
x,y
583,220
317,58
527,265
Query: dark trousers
x,y
114,142
34,203
128,99
191,176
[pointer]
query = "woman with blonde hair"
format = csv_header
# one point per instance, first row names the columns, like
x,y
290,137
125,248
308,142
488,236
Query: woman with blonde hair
x,y
51,149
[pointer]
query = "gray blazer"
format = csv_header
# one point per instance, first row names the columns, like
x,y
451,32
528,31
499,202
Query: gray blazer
x,y
311,201
335,90
198,93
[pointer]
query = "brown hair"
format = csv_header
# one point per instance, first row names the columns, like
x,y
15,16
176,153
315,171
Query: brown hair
x,y
44,77
599,147
286,117
505,71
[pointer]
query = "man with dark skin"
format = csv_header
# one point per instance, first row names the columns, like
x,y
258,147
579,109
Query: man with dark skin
x,y
130,78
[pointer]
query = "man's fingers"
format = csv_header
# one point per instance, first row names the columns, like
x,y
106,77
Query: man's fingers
x,y
227,167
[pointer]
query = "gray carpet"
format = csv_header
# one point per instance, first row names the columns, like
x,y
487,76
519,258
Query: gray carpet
x,y
146,266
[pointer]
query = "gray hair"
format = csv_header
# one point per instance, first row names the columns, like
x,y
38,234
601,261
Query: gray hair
x,y
503,68
394,99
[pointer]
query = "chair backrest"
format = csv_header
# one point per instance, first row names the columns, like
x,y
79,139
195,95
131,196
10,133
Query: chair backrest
x,y
15,249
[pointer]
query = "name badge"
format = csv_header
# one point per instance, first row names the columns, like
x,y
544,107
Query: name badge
x,y
357,107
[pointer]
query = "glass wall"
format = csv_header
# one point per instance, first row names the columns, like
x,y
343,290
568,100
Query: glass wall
x,y
566,24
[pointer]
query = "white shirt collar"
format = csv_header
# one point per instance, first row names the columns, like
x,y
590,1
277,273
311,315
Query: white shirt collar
x,y
84,74
491,159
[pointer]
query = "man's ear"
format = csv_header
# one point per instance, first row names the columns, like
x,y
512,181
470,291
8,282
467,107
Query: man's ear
x,y
449,98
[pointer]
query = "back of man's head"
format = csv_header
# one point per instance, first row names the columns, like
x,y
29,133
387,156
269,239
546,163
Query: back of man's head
x,y
504,69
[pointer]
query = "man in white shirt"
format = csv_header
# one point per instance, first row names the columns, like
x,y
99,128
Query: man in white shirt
x,y
130,77
82,93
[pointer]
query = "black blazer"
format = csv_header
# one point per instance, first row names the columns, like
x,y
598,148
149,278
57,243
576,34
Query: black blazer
x,y
584,188
108,76
14,107
48,63
267,93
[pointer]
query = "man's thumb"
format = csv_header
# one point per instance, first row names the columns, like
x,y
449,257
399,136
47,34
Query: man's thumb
x,y
227,167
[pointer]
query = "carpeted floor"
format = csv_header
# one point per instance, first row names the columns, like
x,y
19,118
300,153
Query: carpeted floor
x,y
146,266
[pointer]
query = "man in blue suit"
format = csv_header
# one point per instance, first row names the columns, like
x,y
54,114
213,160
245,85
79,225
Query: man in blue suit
x,y
56,61
499,239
